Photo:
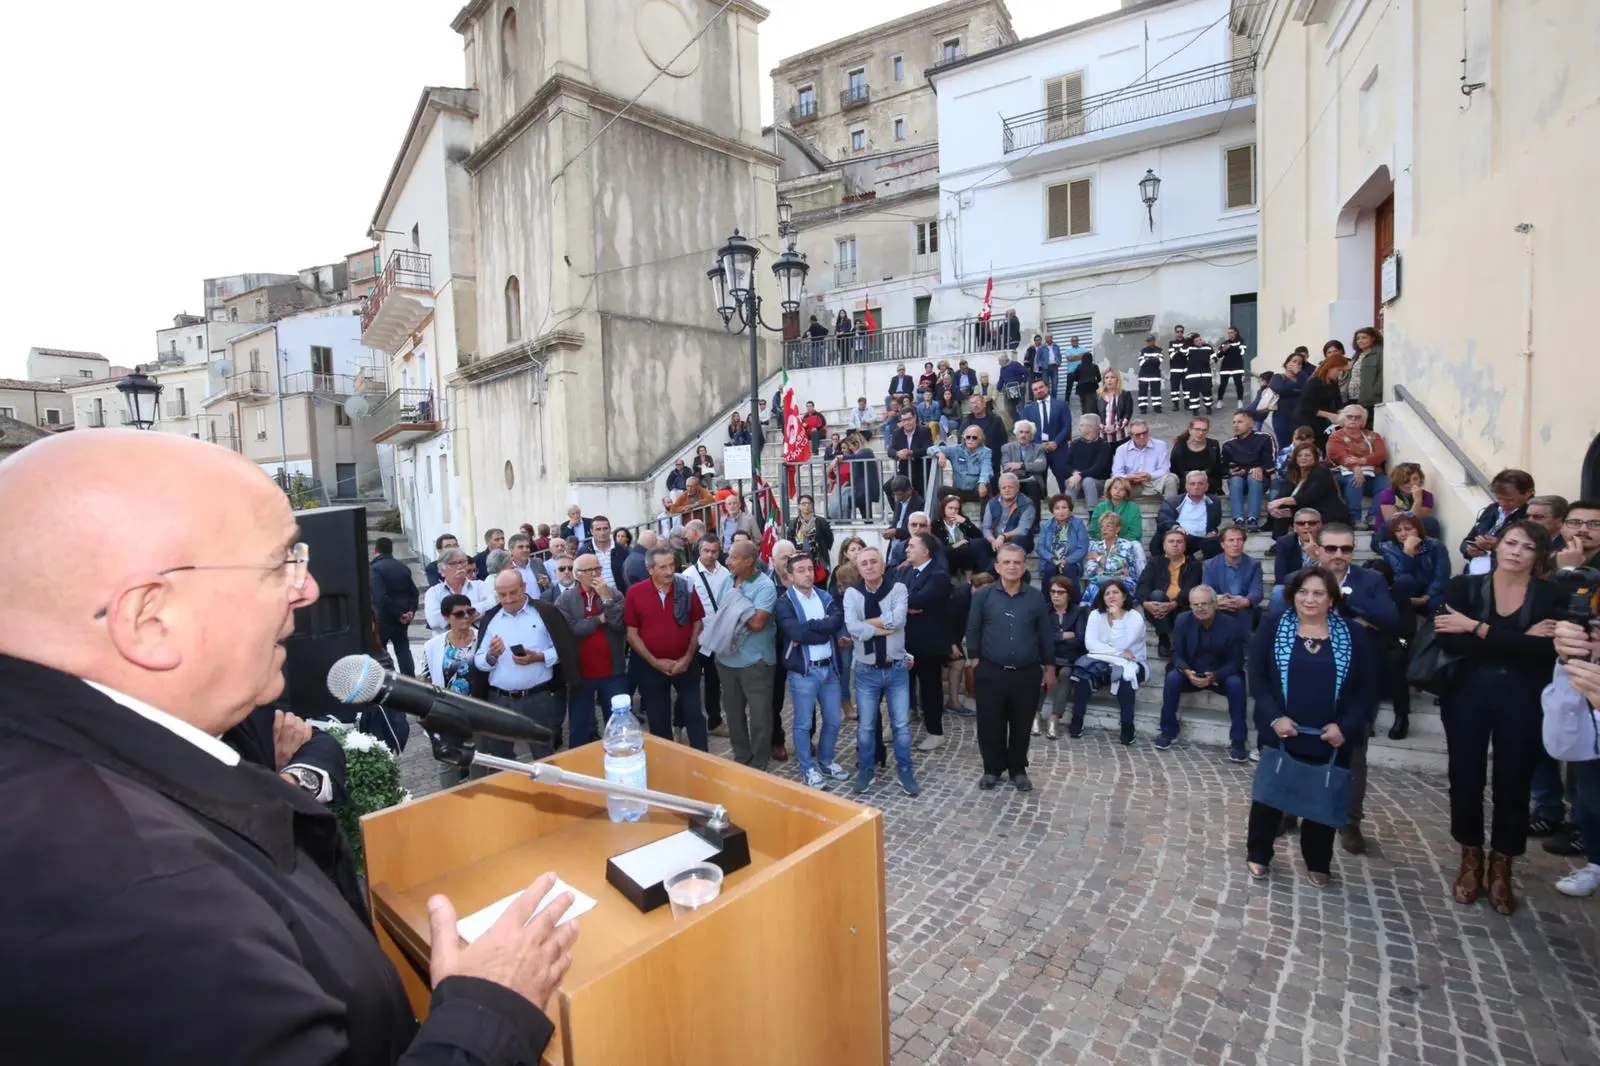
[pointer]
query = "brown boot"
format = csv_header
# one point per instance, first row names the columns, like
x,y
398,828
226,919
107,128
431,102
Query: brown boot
x,y
1469,879
1500,895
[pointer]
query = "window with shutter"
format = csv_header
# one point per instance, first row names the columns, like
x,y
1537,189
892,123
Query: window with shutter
x,y
1239,165
1241,71
1063,102
1070,208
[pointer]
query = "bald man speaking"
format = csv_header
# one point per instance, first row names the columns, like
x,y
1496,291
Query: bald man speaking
x,y
162,902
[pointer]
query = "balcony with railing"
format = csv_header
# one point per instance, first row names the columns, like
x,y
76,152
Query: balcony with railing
x,y
242,385
176,408
804,111
319,384
855,96
899,344
406,416
1154,111
402,299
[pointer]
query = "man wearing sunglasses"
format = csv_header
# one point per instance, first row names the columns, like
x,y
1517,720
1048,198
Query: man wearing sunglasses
x,y
178,903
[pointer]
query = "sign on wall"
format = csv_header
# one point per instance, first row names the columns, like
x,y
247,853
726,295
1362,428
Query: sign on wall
x,y
736,462
1389,279
1136,324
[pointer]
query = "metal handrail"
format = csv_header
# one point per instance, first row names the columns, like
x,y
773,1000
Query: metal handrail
x,y
928,340
1477,476
856,94
1201,87
406,269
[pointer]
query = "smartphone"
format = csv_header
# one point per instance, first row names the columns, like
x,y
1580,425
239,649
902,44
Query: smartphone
x,y
518,649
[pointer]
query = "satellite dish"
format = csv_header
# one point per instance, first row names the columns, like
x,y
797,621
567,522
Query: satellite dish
x,y
222,368
357,407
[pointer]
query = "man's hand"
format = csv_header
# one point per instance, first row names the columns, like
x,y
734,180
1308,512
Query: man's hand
x,y
1049,678
497,648
1573,641
406,618
1140,478
1572,555
528,957
532,656
983,490
1074,481
289,734
1585,677
1257,474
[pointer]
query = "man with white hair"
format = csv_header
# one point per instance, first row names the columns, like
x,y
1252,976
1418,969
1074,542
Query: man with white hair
x,y
179,904
456,568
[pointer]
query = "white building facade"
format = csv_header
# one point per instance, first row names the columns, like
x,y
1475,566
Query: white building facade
x,y
421,315
1042,147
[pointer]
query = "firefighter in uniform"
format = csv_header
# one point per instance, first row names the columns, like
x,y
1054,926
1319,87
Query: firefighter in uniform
x,y
1198,384
1230,366
1178,368
1150,376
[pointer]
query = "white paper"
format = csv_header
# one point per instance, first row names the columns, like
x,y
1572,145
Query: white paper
x,y
656,862
475,925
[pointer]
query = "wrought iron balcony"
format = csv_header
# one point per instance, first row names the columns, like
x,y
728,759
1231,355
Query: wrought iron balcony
x,y
320,384
406,415
402,299
855,96
1220,83
243,385
805,111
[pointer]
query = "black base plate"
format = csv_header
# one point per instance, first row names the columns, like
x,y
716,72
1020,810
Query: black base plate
x,y
734,855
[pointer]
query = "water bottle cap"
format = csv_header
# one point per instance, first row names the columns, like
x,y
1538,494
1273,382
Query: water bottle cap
x,y
619,702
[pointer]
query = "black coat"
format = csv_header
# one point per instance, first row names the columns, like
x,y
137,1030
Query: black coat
x,y
252,739
394,591
567,649
1153,579
178,910
1318,395
928,592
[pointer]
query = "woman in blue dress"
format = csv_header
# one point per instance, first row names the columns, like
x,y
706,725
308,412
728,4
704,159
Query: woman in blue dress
x,y
1309,669
1290,386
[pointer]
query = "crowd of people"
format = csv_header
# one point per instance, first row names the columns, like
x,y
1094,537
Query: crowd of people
x,y
1019,575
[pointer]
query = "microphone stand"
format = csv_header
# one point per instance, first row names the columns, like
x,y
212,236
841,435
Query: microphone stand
x,y
714,814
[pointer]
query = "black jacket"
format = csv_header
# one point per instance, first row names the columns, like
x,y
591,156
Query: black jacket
x,y
394,591
561,635
176,910
252,739
1207,460
1153,579
928,592
1488,521
1318,395
1091,458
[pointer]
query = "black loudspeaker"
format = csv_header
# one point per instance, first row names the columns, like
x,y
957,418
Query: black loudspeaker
x,y
340,622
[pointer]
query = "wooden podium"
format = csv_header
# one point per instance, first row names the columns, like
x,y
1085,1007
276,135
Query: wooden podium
x,y
788,965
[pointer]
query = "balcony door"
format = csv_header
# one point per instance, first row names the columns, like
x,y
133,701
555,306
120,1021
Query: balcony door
x,y
1063,103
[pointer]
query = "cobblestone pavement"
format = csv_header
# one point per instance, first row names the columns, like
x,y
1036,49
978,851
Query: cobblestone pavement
x,y
1107,918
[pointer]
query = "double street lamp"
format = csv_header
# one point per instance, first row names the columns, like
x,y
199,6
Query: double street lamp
x,y
142,394
733,281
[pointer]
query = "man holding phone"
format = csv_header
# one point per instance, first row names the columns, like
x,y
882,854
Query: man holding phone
x,y
517,651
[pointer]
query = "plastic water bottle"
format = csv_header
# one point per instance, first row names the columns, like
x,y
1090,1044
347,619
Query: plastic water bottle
x,y
624,744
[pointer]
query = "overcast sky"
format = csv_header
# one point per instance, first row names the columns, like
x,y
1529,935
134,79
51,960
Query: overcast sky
x,y
150,145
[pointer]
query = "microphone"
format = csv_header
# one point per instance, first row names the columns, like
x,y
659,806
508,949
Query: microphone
x,y
360,679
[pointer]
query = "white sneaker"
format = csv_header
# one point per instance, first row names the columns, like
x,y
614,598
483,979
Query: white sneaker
x,y
1580,882
837,772
814,777
931,742
1255,754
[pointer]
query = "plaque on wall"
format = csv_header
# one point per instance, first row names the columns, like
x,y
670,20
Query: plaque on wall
x,y
1137,324
1389,279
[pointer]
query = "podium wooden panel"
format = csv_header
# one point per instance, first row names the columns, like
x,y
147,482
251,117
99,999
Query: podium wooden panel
x,y
788,965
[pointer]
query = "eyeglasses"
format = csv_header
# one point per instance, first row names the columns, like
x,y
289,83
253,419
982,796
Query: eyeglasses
x,y
563,569
296,568
585,569
971,438
1307,522
1339,549
463,612
1584,523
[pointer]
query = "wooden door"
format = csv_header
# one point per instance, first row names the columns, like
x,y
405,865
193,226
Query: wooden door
x,y
1382,248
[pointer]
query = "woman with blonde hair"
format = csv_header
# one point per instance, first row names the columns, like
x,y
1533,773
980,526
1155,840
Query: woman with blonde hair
x,y
1114,405
1119,501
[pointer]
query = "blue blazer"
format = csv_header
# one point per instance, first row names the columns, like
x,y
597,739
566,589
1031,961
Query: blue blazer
x,y
1215,570
1369,598
1226,635
798,631
1059,429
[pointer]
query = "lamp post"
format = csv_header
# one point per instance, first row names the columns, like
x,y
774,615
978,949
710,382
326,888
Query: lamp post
x,y
1149,189
733,283
142,395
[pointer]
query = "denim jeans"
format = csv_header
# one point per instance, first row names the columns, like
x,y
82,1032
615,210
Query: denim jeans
x,y
581,704
872,684
1374,484
1548,792
843,658
1244,497
1232,687
819,684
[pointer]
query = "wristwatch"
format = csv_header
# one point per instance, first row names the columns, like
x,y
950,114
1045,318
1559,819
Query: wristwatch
x,y
306,779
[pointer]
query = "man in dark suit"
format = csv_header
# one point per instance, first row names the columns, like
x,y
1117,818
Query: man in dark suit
x,y
1292,551
1207,654
909,444
901,384
906,503
927,585
394,598
430,572
575,528
613,557
493,540
1052,423
212,911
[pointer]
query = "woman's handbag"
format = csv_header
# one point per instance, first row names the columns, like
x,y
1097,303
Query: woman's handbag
x,y
1316,791
1432,669
1267,402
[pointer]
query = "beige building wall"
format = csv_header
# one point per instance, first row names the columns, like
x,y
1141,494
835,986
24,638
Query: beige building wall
x,y
1363,119
892,90
32,402
888,272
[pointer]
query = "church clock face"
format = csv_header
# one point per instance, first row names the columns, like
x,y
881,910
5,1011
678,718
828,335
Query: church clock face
x,y
663,29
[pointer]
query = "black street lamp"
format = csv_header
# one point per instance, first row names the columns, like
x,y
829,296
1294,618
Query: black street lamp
x,y
143,396
733,284
1149,189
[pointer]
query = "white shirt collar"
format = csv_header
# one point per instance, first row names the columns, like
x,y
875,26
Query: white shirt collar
x,y
198,737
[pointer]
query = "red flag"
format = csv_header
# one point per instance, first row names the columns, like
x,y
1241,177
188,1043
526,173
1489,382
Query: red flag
x,y
988,301
769,503
867,323
796,446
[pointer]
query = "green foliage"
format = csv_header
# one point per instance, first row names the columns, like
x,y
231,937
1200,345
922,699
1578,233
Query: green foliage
x,y
372,783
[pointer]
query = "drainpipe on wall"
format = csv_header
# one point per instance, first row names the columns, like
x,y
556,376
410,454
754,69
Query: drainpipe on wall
x,y
1526,451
